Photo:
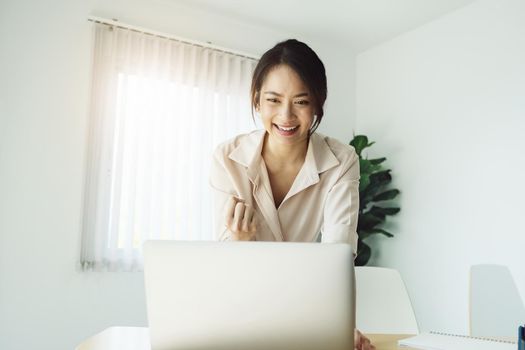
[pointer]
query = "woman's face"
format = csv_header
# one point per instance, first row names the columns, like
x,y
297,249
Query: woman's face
x,y
286,107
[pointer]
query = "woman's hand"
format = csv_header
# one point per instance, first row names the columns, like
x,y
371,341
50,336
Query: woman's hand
x,y
240,220
361,342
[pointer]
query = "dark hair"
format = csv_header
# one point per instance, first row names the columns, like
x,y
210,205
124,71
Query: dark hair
x,y
304,61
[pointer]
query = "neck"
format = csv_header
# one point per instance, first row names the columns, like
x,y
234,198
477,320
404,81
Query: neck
x,y
284,154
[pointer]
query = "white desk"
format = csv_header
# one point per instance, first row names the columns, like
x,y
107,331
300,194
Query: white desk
x,y
137,338
121,338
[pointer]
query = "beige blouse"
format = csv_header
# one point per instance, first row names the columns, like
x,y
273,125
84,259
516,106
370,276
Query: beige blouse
x,y
324,197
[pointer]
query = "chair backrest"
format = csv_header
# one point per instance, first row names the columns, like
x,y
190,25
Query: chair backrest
x,y
382,302
496,308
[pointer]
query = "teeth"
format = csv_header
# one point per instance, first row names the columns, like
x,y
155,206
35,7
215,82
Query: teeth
x,y
287,129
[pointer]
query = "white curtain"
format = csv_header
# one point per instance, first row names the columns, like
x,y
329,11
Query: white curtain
x,y
159,107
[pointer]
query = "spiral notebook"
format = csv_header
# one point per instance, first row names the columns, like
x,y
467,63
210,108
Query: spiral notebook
x,y
445,341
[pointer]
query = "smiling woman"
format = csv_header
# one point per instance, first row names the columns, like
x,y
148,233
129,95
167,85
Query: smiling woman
x,y
287,182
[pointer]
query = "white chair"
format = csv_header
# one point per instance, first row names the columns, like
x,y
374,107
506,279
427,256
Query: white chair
x,y
495,306
382,302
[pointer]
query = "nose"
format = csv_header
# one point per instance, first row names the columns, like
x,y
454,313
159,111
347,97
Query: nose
x,y
286,110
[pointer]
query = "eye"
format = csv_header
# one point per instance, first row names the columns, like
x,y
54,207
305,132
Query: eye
x,y
303,102
272,100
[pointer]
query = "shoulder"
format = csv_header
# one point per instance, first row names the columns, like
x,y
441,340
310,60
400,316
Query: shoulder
x,y
241,142
335,159
344,153
226,147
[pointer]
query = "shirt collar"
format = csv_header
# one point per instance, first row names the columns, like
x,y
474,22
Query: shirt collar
x,y
319,157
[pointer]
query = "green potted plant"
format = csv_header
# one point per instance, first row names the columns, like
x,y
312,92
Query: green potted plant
x,y
374,195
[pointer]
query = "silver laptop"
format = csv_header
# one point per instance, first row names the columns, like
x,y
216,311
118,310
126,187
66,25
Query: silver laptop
x,y
249,295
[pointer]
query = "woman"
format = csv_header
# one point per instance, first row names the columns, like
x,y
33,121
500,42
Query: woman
x,y
286,182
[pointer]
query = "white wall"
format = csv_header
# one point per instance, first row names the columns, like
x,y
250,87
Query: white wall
x,y
340,108
446,105
45,303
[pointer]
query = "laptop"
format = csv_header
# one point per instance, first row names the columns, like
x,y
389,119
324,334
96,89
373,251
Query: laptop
x,y
249,295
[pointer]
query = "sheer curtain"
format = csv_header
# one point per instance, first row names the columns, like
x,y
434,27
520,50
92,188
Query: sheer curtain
x,y
159,107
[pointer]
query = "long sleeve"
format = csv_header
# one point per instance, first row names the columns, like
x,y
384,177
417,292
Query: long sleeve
x,y
342,206
222,188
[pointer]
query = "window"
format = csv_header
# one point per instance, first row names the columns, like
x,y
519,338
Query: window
x,y
159,108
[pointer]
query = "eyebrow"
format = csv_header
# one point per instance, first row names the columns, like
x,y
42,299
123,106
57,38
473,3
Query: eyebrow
x,y
280,95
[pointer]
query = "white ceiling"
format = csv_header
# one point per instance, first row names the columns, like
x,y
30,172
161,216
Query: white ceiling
x,y
359,24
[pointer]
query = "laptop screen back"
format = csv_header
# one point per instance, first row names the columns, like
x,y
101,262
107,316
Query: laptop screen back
x,y
249,295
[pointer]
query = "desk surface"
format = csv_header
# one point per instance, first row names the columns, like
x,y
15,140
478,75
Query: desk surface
x,y
137,338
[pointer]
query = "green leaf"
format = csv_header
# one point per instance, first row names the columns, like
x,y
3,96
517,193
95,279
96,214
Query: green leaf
x,y
377,161
387,195
363,182
376,182
381,177
391,210
376,211
360,142
365,234
381,212
363,254
380,230
366,167
367,222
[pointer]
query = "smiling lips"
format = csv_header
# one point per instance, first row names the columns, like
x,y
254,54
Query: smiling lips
x,y
286,131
